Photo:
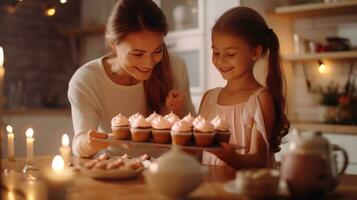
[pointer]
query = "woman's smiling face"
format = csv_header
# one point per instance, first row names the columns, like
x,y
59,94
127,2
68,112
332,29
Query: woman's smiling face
x,y
232,55
139,52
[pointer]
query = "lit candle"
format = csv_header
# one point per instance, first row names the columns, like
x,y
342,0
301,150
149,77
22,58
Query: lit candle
x,y
57,179
2,72
65,150
29,144
10,143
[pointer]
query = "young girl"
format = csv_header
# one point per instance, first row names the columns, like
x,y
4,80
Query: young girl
x,y
255,113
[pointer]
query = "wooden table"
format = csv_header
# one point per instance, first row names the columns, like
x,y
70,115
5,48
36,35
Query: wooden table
x,y
85,188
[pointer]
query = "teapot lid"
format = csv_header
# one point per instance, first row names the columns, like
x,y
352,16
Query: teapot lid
x,y
308,142
176,161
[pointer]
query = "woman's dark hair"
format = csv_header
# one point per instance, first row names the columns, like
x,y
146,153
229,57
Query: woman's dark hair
x,y
129,16
250,25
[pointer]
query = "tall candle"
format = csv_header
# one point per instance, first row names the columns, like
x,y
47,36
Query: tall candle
x,y
29,144
2,73
65,150
10,143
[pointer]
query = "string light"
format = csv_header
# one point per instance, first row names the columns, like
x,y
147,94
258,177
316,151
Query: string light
x,y
63,1
50,11
322,67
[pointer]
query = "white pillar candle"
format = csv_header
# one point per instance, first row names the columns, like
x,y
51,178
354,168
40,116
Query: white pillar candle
x,y
57,179
10,143
29,144
2,73
65,150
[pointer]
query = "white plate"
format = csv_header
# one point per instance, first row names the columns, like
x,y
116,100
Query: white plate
x,y
231,188
121,173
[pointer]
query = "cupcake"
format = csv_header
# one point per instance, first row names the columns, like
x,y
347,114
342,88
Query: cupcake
x,y
161,130
120,127
152,117
221,128
196,120
189,118
181,133
140,129
203,132
172,118
131,118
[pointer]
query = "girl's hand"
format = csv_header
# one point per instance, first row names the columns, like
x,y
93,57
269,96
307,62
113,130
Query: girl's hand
x,y
97,145
227,153
175,100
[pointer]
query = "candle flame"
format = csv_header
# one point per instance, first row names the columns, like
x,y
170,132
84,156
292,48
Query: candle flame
x,y
9,129
322,68
65,140
29,132
50,11
1,56
58,164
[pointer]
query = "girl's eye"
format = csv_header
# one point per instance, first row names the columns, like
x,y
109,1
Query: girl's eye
x,y
215,53
231,55
159,51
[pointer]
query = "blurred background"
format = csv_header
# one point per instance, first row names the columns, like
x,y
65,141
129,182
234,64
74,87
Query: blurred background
x,y
45,41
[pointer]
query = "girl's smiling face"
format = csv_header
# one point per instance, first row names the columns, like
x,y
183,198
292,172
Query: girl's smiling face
x,y
232,55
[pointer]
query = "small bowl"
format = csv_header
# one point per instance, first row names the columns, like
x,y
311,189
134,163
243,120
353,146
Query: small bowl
x,y
174,185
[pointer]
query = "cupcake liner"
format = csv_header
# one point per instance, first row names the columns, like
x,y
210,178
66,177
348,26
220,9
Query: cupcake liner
x,y
121,133
161,136
140,134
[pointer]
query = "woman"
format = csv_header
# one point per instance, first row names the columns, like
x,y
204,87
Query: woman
x,y
137,76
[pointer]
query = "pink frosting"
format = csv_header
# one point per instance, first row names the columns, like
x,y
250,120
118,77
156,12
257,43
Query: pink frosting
x,y
140,122
181,126
219,124
189,118
204,126
196,120
131,118
172,118
160,123
119,121
152,117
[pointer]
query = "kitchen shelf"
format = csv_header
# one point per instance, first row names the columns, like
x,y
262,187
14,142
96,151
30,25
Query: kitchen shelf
x,y
346,55
325,128
318,9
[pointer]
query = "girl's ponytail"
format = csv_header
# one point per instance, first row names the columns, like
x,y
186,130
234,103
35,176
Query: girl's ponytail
x,y
275,81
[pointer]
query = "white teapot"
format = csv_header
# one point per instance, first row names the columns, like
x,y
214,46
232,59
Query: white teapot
x,y
310,166
175,174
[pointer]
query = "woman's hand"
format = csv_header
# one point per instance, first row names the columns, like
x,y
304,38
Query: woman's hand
x,y
175,100
97,145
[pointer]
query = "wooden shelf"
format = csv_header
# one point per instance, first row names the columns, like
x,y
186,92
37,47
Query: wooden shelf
x,y
325,128
347,55
318,9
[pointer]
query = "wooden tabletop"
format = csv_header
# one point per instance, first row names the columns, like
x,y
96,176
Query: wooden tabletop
x,y
87,188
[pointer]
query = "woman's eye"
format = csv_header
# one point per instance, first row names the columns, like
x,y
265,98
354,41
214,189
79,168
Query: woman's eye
x,y
138,55
231,54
